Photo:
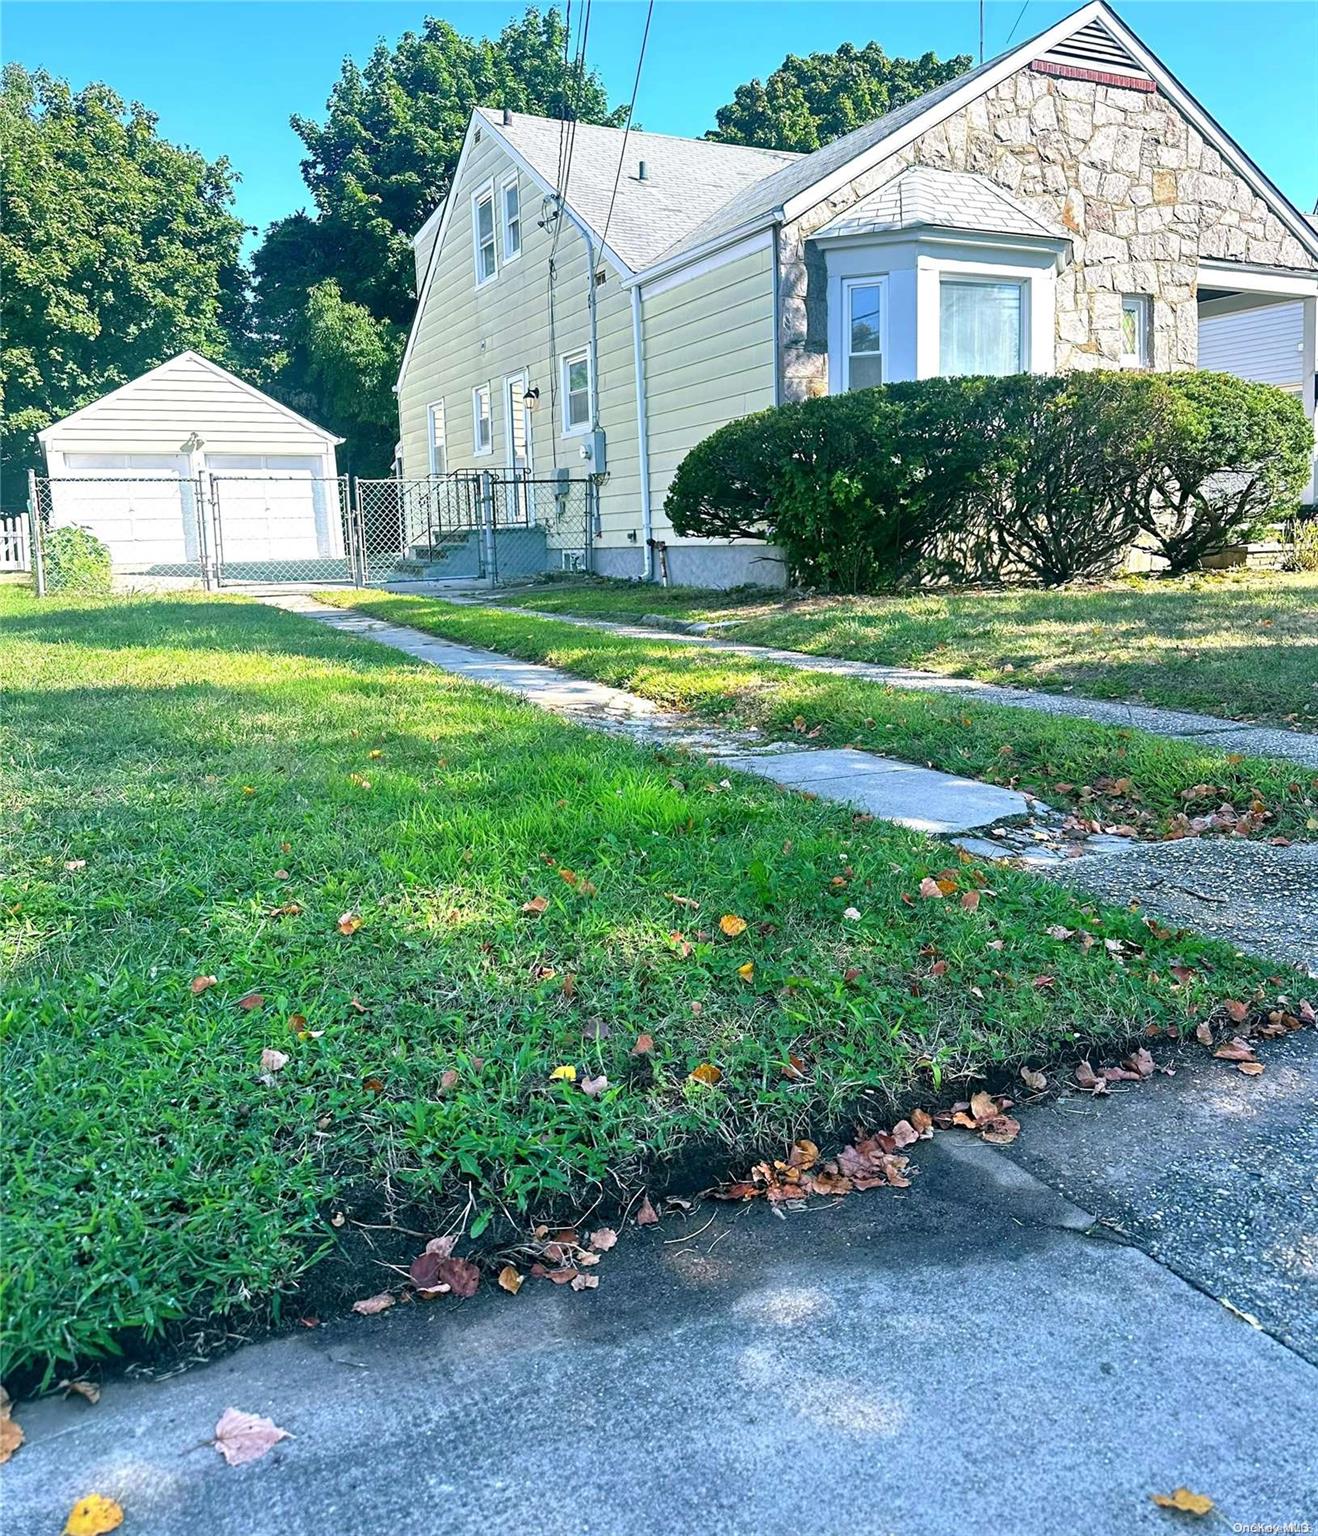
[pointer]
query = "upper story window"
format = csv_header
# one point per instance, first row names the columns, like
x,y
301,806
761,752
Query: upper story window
x,y
482,424
576,392
510,209
865,300
981,326
437,448
482,228
1136,330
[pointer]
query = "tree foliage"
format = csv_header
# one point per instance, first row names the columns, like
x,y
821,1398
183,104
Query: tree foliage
x,y
808,102
118,250
376,167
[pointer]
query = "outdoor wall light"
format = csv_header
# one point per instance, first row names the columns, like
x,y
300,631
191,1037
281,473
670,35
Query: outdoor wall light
x,y
531,399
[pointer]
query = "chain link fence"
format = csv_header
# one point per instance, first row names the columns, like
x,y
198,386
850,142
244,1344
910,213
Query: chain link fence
x,y
257,529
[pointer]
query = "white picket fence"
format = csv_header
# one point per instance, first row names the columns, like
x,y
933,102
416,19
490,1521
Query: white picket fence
x,y
15,544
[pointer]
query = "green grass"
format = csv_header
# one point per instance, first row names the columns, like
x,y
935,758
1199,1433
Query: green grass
x,y
189,750
1243,646
1112,774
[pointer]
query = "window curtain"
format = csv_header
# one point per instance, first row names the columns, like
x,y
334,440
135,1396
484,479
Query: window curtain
x,y
980,328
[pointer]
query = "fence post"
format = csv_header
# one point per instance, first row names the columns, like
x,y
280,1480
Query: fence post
x,y
357,531
203,556
37,549
487,527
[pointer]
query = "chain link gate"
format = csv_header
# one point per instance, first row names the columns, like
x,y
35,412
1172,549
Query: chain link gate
x,y
269,528
154,526
472,525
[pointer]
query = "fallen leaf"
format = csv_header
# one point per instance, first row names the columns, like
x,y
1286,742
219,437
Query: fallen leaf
x,y
511,1279
930,889
851,914
594,1086
11,1434
273,1061
684,901
983,1105
1235,1049
441,1247
252,1000
732,925
1033,1080
566,1074
602,1239
1183,1500
747,971
460,1275
1059,933
644,1045
1203,1034
970,900
1250,1068
94,1516
371,1306
373,1084
243,1437
87,1389
536,905
349,923
646,1215
707,1073
1001,1130
200,983
1236,1012
804,1154
73,865
1088,1079
904,1133
447,1080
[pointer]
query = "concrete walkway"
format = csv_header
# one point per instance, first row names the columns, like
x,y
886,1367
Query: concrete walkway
x,y
920,798
1235,736
977,1353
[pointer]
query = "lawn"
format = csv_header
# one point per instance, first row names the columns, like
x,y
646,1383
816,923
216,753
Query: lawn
x,y
1109,774
1244,646
428,897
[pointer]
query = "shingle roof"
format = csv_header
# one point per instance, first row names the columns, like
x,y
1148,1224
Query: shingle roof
x,y
687,179
923,195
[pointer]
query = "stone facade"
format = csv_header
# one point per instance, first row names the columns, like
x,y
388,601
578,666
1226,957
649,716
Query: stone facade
x,y
1141,193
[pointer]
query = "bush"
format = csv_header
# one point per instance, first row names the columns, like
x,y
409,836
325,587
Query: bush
x,y
1231,454
1305,540
75,561
973,479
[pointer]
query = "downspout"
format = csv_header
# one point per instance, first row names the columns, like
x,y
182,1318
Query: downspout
x,y
777,317
642,436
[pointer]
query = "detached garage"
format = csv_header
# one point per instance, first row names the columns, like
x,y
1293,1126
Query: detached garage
x,y
188,463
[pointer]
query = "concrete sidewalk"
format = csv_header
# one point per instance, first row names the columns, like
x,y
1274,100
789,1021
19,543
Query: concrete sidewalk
x,y
973,1354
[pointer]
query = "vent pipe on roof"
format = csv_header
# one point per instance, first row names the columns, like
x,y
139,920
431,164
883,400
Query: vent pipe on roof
x,y
642,171
507,117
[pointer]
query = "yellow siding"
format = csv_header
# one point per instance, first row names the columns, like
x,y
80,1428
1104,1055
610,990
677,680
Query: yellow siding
x,y
709,358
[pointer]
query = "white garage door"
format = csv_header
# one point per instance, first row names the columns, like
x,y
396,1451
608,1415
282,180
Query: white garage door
x,y
275,508
141,506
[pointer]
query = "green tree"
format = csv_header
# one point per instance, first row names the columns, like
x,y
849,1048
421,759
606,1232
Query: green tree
x,y
376,168
118,250
807,102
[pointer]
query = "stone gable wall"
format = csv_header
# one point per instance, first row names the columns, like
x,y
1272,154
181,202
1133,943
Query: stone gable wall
x,y
1141,193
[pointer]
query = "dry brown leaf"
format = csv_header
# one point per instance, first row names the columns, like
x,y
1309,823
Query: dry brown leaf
x,y
11,1434
732,925
983,1105
200,983
1035,1081
922,1121
1088,1079
273,1061
804,1154
707,1073
511,1279
602,1239
585,1282
904,1133
747,971
87,1389
684,901
371,1306
349,923
243,1437
644,1045
594,1086
1183,1500
930,889
94,1516
1235,1049
1250,1068
1203,1034
646,1215
970,900
535,906
1001,1130
251,1001
1236,1012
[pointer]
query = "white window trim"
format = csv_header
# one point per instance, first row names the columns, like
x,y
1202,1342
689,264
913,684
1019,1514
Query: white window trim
x,y
1142,357
980,279
877,280
434,413
578,355
513,181
476,449
477,198
515,386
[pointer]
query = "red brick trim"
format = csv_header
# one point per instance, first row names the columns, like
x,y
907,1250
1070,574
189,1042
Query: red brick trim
x,y
1098,76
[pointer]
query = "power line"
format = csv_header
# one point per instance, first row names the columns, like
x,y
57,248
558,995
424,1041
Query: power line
x,y
631,109
1017,22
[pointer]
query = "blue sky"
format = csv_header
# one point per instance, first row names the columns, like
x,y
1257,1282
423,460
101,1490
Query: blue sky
x,y
224,77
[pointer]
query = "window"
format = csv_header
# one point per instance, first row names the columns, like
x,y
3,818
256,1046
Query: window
x,y
482,228
437,449
1136,330
576,392
981,327
864,334
482,427
511,208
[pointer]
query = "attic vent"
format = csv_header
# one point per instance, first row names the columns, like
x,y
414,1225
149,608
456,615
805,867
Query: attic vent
x,y
1093,53
642,171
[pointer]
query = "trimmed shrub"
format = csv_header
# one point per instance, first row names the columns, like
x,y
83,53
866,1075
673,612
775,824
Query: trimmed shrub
x,y
1305,554
975,479
75,561
1230,455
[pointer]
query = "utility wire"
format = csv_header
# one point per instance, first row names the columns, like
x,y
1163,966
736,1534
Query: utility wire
x,y
1017,22
627,128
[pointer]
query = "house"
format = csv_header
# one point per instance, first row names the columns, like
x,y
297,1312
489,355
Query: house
x,y
130,467
595,302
